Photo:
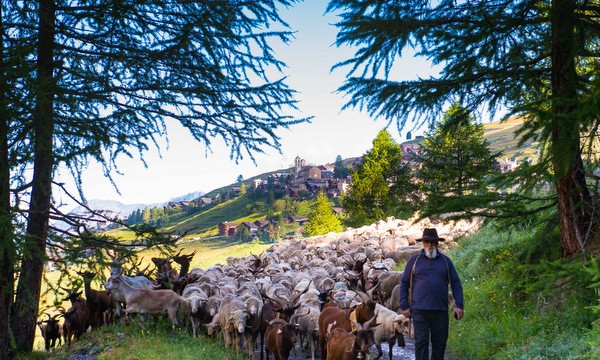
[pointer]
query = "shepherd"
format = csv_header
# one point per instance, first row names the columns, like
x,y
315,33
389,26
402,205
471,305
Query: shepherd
x,y
424,296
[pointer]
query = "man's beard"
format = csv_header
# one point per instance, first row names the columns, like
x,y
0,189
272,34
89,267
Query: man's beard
x,y
431,252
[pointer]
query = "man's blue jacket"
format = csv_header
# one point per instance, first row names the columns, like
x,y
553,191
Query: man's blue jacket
x,y
430,283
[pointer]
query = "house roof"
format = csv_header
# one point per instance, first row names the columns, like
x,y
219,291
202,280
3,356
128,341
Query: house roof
x,y
250,225
262,223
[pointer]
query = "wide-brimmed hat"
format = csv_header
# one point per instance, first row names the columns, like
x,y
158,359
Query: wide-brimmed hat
x,y
430,235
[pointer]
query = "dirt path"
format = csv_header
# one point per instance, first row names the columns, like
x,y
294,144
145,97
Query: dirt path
x,y
406,353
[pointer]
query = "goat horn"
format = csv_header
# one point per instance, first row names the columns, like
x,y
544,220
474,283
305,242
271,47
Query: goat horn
x,y
357,326
371,323
278,299
295,297
363,296
354,297
278,321
329,328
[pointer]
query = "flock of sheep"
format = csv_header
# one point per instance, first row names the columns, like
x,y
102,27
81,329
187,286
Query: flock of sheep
x,y
334,295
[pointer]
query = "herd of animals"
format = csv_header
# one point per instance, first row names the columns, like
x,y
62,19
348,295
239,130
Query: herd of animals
x,y
332,300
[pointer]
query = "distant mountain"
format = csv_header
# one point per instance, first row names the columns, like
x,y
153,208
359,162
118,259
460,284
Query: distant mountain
x,y
114,206
188,197
126,209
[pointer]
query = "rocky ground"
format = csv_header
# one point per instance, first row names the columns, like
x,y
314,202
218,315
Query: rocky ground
x,y
406,353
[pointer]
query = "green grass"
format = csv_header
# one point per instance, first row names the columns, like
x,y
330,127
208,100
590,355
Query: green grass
x,y
206,223
501,136
516,309
131,342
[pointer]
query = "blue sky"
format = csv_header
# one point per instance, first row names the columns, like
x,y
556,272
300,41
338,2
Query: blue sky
x,y
186,166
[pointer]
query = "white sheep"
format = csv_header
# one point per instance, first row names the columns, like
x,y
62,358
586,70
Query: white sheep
x,y
391,328
233,315
194,302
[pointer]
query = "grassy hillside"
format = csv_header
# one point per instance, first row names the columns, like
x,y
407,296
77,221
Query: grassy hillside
x,y
206,223
501,136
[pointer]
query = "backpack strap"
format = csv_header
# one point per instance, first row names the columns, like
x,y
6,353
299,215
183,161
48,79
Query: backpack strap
x,y
412,272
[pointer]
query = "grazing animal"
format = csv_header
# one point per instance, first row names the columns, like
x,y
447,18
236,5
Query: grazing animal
x,y
144,301
194,303
280,339
350,345
76,318
51,331
391,328
307,319
139,282
363,312
232,319
98,301
275,306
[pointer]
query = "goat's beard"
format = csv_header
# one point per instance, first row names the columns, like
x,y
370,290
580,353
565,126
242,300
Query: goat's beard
x,y
431,252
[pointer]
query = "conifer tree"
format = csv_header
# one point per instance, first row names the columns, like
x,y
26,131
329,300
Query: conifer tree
x,y
322,219
340,171
101,79
381,186
454,162
538,59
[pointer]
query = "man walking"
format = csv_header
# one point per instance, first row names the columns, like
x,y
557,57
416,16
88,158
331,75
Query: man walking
x,y
424,296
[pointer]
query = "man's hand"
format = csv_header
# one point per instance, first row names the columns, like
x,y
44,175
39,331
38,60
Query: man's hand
x,y
406,313
458,313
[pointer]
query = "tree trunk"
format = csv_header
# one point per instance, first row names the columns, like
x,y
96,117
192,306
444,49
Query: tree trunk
x,y
573,195
7,245
25,309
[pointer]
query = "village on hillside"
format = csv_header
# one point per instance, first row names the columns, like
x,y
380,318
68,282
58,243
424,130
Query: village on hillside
x,y
305,181
302,181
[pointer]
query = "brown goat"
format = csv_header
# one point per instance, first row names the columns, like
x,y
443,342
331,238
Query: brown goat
x,y
165,274
363,312
276,307
280,339
51,331
98,301
350,345
76,318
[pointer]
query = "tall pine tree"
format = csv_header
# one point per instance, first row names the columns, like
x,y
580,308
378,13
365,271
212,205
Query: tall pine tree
x,y
455,161
381,186
322,219
101,79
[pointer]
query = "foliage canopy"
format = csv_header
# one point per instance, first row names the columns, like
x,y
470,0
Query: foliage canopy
x,y
381,184
532,58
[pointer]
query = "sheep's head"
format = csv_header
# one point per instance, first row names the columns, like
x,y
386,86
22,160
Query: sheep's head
x,y
254,306
193,304
400,324
214,326
112,283
212,306
238,320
